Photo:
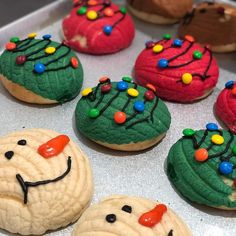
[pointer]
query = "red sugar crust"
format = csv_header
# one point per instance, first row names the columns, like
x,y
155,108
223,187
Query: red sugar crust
x,y
225,108
168,81
76,26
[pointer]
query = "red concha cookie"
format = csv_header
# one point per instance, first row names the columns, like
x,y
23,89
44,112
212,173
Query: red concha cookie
x,y
226,105
181,70
98,27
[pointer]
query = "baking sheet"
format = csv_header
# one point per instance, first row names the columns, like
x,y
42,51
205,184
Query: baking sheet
x,y
142,173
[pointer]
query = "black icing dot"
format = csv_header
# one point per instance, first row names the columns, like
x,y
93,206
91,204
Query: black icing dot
x,y
170,233
22,142
127,208
9,155
202,10
111,218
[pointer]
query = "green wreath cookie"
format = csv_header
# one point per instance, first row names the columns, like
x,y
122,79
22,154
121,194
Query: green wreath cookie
x,y
122,115
40,70
202,166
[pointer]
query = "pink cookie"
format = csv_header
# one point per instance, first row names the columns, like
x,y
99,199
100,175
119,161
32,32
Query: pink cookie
x,y
180,70
226,105
98,27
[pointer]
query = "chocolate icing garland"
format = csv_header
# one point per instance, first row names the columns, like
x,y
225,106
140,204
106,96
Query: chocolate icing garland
x,y
159,46
104,11
38,66
214,159
121,112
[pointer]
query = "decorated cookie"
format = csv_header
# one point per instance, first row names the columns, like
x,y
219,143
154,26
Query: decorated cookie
x,y
40,71
160,11
98,27
122,115
225,106
45,181
123,215
202,166
211,23
180,70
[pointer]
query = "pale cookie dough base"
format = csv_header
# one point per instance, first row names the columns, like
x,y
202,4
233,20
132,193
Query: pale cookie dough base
x,y
224,48
23,94
133,146
152,18
206,94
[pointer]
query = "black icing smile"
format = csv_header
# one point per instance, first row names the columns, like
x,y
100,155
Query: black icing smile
x,y
25,185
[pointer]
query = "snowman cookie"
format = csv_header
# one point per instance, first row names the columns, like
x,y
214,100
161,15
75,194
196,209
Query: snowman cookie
x,y
45,181
133,216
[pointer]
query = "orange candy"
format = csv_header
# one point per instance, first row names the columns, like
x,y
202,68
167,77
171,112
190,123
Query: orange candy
x,y
10,46
234,91
108,12
103,79
74,62
151,87
92,2
201,155
120,117
189,38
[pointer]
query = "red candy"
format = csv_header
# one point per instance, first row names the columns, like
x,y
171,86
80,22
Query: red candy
x,y
20,60
54,146
10,46
120,117
234,183
104,79
153,217
74,62
149,95
106,88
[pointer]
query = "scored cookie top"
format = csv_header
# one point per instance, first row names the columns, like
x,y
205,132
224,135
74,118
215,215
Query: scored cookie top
x,y
123,215
202,165
121,112
45,67
46,181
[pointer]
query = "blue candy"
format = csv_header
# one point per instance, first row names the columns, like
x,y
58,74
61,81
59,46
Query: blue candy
x,y
178,43
163,63
39,68
212,127
139,106
122,86
107,29
47,36
229,84
226,168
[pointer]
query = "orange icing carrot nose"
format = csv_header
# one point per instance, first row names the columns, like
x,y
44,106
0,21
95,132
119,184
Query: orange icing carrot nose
x,y
153,217
54,146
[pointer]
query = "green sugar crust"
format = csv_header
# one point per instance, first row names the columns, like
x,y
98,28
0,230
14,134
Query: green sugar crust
x,y
201,182
61,85
104,128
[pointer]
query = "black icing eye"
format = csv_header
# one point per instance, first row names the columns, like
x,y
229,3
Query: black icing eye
x,y
22,142
9,155
127,208
111,218
202,10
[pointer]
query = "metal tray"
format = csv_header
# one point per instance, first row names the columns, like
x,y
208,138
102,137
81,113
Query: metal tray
x,y
143,173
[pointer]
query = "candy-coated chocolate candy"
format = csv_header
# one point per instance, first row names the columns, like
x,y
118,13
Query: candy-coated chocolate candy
x,y
212,127
217,139
120,117
201,155
188,132
20,60
74,62
149,95
167,36
122,86
189,38
229,84
86,92
39,68
82,10
123,10
32,35
104,79
151,87
127,79
92,2
177,42
94,113
107,29
234,183
139,106
47,36
133,92
187,78
50,50
149,44
157,48
14,39
226,168
221,10
10,46
233,91
106,88
108,12
92,15
197,55
234,150
163,63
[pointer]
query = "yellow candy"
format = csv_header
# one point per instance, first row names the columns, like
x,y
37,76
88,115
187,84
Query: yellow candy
x,y
217,139
50,50
92,15
133,92
157,48
86,92
187,78
32,35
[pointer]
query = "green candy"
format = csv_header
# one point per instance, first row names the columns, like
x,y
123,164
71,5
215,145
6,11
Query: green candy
x,y
123,10
82,10
127,79
234,150
167,36
14,39
197,55
94,113
188,132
